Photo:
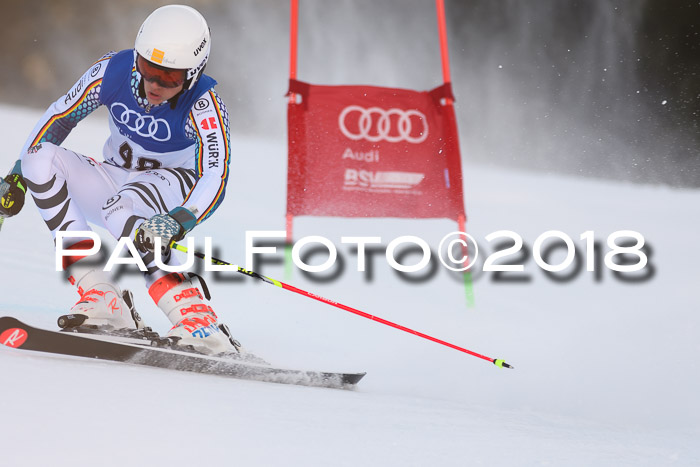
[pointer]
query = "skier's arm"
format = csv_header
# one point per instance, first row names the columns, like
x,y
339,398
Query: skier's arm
x,y
208,123
54,126
64,114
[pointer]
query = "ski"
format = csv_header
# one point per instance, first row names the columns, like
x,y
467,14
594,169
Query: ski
x,y
153,351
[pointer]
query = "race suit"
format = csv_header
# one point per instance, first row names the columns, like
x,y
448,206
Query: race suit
x,y
156,158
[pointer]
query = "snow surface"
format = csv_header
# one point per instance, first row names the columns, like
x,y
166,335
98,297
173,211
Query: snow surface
x,y
606,371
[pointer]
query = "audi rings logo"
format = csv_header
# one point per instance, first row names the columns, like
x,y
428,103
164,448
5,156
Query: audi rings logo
x,y
143,125
376,124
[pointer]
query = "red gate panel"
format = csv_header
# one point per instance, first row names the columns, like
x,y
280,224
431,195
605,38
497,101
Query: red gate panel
x,y
365,151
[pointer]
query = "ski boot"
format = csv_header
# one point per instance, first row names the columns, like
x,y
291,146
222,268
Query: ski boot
x,y
101,305
194,322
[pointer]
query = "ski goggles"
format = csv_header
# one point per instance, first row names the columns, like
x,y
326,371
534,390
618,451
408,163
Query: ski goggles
x,y
164,77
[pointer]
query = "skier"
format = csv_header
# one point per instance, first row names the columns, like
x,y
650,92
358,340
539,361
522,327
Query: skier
x,y
165,169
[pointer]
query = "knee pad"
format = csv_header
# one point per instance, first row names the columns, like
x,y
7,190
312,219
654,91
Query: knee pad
x,y
39,164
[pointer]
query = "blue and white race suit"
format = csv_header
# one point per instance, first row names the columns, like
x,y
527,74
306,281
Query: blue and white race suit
x,y
156,158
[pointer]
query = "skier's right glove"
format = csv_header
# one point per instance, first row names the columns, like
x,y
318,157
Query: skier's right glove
x,y
170,227
12,191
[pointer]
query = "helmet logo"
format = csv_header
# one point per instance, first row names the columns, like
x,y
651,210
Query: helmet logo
x,y
192,72
157,55
201,46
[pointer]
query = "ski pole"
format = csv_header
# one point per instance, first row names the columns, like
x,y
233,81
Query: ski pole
x,y
498,362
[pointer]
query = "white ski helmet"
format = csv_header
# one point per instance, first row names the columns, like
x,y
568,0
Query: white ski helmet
x,y
176,36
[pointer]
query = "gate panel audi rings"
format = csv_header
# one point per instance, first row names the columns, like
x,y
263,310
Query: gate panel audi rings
x,y
376,124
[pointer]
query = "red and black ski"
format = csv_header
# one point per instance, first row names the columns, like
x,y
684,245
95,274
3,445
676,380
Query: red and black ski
x,y
151,352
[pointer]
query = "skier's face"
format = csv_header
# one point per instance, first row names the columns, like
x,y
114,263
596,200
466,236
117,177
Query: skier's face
x,y
160,83
157,94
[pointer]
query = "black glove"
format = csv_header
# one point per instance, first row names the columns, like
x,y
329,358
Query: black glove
x,y
12,191
169,227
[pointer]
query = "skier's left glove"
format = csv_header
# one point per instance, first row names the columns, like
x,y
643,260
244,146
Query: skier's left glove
x,y
12,191
169,227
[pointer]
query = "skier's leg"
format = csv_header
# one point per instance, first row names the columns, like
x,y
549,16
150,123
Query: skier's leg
x,y
143,196
59,180
69,190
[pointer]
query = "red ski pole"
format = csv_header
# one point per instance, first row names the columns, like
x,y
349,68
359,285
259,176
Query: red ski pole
x,y
495,361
